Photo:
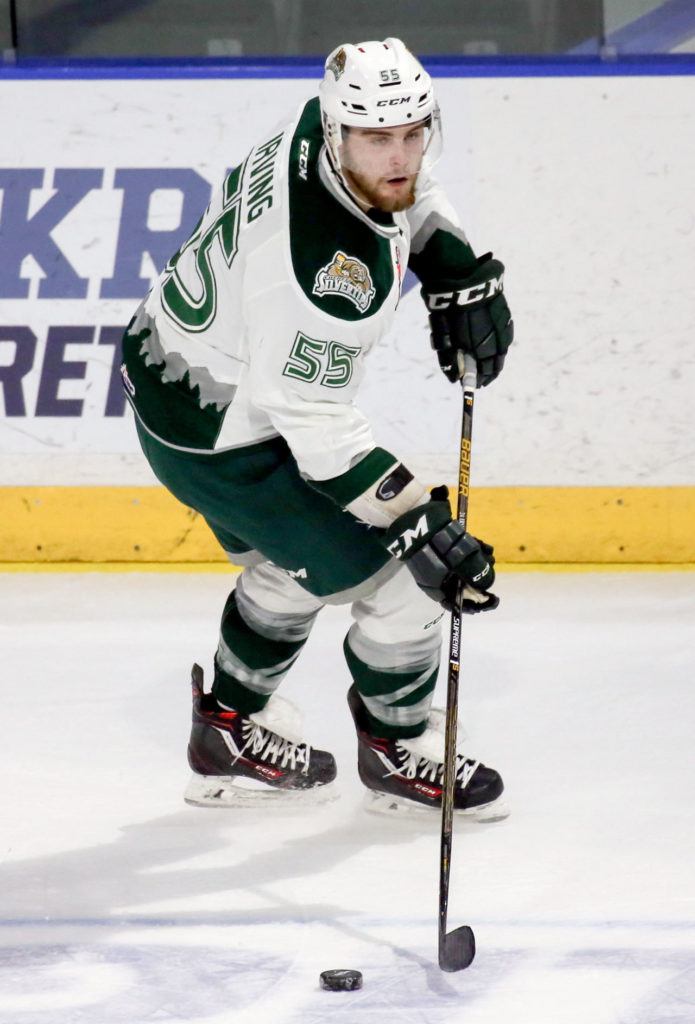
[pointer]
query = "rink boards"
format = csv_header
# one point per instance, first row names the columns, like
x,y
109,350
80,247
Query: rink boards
x,y
528,525
582,185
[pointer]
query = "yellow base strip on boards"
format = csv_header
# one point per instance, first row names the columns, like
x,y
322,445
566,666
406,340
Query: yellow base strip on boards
x,y
527,525
217,568
586,524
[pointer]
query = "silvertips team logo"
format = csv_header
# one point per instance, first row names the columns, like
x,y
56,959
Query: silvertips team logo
x,y
348,277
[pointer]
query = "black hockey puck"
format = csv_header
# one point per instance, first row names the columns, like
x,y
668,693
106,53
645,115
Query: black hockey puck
x,y
341,981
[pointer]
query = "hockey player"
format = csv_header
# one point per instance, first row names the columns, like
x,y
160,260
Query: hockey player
x,y
242,365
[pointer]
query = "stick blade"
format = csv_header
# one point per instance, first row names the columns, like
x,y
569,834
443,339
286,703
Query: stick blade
x,y
457,950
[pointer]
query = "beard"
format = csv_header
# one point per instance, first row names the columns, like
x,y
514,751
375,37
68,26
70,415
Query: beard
x,y
381,196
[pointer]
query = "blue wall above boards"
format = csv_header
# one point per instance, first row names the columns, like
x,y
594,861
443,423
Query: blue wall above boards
x,y
305,67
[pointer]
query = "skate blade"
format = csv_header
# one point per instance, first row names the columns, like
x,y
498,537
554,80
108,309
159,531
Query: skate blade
x,y
387,803
221,791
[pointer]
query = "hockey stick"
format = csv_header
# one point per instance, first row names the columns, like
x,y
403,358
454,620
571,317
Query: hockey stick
x,y
456,948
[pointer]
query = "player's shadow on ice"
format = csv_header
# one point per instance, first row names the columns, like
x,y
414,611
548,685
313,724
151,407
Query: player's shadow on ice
x,y
162,861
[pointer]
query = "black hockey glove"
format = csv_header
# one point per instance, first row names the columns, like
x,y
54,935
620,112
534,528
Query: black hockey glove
x,y
472,316
440,555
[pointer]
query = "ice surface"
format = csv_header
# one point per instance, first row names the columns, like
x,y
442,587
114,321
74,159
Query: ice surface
x,y
120,904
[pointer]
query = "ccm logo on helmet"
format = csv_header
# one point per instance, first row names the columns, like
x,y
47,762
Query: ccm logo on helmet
x,y
396,101
468,296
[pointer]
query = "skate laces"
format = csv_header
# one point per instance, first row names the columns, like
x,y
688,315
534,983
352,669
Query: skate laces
x,y
268,746
413,767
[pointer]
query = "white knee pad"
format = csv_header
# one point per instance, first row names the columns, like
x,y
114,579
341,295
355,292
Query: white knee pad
x,y
273,588
274,605
400,613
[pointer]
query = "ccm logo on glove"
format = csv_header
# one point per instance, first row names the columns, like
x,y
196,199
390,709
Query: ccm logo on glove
x,y
449,565
404,543
472,318
477,293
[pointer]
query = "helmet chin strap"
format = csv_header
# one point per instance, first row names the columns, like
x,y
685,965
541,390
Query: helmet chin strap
x,y
340,180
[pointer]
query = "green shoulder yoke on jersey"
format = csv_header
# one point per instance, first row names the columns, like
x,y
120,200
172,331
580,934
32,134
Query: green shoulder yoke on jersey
x,y
342,265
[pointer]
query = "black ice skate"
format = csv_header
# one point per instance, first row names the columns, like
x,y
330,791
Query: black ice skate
x,y
249,760
407,774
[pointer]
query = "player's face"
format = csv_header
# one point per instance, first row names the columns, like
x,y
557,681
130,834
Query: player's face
x,y
381,165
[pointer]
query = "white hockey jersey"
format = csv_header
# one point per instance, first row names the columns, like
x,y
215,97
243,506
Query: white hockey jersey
x,y
259,326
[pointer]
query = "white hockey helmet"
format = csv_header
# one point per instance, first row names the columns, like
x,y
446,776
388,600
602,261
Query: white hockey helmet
x,y
378,84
